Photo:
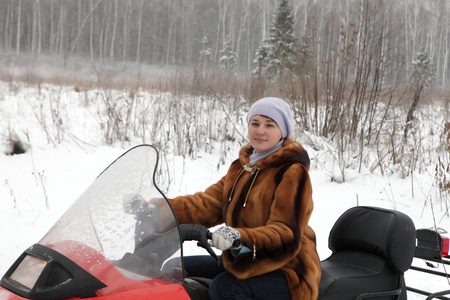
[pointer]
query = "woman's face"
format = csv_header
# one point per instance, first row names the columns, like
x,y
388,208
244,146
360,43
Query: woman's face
x,y
263,133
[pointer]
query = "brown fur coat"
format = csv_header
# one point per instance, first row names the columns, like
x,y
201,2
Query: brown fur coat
x,y
270,205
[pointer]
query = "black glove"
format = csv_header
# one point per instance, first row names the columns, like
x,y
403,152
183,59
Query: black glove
x,y
147,221
199,233
193,232
132,203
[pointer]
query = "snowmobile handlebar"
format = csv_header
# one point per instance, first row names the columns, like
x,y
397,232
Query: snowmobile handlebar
x,y
199,233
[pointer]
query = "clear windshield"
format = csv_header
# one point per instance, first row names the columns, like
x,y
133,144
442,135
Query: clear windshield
x,y
123,217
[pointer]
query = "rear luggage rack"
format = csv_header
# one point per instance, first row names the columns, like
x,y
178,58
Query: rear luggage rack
x,y
431,245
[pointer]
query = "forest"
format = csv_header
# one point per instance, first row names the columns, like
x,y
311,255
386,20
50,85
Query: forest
x,y
172,33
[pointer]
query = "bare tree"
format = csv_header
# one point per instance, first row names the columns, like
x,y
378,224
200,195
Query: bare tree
x,y
138,46
18,29
113,34
125,29
35,44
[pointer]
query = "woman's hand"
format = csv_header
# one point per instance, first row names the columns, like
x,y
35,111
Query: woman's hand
x,y
225,238
132,203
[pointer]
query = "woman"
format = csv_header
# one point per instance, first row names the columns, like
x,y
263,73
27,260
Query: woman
x,y
265,201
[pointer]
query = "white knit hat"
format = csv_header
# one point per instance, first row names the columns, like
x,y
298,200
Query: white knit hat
x,y
277,110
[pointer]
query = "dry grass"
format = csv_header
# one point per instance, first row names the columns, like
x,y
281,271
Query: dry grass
x,y
375,120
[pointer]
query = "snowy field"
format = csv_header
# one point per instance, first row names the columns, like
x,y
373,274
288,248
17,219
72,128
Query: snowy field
x,y
38,186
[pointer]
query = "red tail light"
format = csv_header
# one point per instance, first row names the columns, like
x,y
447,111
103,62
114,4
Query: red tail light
x,y
445,246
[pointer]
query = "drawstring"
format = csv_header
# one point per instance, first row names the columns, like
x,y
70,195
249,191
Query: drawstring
x,y
234,185
252,171
251,185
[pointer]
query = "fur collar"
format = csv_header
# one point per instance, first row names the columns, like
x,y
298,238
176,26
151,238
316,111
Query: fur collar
x,y
291,152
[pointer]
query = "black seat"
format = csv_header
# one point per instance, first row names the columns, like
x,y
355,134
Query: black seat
x,y
371,249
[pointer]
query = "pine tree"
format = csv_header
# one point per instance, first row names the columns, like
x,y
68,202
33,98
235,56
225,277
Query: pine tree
x,y
260,60
205,54
228,58
277,54
422,70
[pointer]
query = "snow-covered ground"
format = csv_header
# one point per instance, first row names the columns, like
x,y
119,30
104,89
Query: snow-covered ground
x,y
38,186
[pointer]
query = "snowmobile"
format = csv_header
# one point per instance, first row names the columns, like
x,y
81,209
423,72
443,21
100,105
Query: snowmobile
x,y
121,240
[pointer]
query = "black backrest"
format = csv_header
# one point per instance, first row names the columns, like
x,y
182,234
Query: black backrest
x,y
387,233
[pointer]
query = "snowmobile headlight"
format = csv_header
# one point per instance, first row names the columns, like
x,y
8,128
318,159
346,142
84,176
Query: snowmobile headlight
x,y
28,271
